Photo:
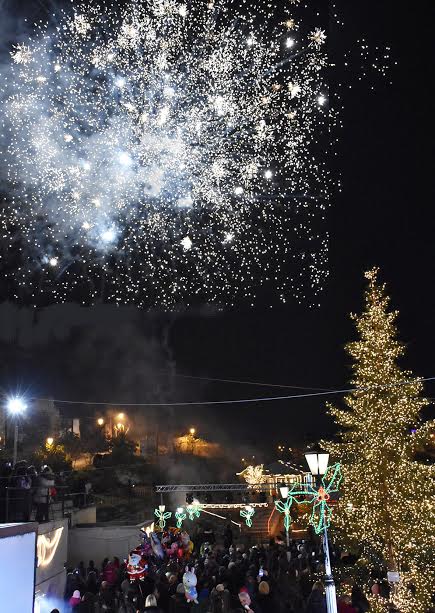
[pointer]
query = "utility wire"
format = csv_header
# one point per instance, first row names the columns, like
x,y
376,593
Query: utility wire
x,y
256,383
238,401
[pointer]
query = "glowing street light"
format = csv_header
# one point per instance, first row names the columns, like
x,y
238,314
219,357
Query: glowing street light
x,y
100,421
318,464
192,431
121,416
16,406
50,441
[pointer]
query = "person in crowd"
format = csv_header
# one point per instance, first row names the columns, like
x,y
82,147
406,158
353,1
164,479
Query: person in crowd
x,y
316,602
228,537
43,492
82,570
75,599
107,599
91,584
151,604
91,567
359,601
220,599
246,604
344,605
20,494
179,603
110,573
86,605
266,600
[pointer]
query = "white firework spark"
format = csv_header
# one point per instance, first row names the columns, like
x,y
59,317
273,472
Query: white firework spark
x,y
136,134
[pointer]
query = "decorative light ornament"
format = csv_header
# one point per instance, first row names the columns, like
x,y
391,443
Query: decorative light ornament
x,y
247,513
180,516
162,516
321,512
194,510
284,508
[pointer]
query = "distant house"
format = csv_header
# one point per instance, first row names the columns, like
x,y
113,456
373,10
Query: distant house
x,y
275,474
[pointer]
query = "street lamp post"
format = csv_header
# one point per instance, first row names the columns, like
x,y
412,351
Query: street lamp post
x,y
15,406
284,490
318,464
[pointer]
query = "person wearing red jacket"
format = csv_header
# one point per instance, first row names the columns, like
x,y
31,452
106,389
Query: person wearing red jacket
x,y
344,605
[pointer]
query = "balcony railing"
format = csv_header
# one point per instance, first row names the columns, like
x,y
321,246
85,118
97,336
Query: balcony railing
x,y
19,505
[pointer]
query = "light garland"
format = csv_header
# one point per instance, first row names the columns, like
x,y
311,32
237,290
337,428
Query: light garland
x,y
391,522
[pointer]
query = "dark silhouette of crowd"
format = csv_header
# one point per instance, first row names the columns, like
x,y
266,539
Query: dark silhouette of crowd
x,y
259,579
26,494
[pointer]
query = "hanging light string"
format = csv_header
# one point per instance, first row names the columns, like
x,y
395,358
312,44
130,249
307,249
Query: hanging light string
x,y
238,401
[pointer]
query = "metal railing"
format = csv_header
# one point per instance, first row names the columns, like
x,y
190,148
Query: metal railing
x,y
21,504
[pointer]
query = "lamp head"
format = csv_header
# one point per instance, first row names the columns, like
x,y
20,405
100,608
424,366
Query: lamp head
x,y
283,490
16,405
317,461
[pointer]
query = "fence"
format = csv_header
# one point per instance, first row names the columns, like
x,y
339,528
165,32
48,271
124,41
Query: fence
x,y
19,505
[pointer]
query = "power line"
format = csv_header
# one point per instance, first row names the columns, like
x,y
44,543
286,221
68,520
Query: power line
x,y
238,401
256,383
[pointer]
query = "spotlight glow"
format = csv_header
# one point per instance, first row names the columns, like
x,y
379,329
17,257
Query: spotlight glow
x,y
16,405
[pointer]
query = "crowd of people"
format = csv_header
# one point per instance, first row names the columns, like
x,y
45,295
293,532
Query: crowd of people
x,y
27,493
229,579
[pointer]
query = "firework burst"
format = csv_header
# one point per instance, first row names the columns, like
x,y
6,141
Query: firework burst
x,y
168,153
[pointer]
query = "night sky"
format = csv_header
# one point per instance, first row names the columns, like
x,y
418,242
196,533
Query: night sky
x,y
383,216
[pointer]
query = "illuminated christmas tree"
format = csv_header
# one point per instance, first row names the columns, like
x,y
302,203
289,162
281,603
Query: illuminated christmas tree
x,y
387,504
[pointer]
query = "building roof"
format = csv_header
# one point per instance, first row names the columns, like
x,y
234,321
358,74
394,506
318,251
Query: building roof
x,y
280,467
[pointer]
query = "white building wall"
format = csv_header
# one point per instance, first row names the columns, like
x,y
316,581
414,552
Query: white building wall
x,y
99,542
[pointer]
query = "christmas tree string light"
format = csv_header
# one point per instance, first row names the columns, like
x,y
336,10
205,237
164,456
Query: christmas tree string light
x,y
391,523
